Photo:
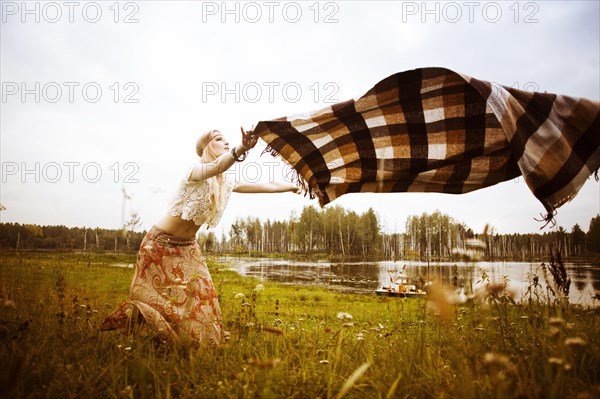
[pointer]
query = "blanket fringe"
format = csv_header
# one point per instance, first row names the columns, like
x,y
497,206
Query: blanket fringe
x,y
312,190
549,218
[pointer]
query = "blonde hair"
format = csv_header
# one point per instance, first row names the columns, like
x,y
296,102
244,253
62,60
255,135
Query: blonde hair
x,y
203,142
207,155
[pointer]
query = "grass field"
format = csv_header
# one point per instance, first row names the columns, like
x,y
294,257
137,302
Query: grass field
x,y
286,342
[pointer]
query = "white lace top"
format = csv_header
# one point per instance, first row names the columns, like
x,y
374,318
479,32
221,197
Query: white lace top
x,y
194,199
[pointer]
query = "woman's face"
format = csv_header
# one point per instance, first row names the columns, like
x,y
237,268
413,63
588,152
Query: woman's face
x,y
219,144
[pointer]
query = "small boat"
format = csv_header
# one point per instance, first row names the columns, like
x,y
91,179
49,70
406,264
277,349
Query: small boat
x,y
401,286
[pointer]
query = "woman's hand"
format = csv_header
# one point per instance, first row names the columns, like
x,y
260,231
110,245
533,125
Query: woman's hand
x,y
296,189
249,140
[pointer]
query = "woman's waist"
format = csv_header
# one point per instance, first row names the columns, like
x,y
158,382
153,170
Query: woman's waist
x,y
173,234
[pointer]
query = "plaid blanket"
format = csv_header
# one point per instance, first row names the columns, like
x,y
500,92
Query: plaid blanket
x,y
435,130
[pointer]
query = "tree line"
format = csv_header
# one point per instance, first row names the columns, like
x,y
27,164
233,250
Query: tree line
x,y
15,236
332,231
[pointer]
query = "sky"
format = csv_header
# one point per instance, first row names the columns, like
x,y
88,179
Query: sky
x,y
105,98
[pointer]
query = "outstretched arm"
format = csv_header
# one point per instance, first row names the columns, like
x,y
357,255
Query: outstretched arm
x,y
270,187
204,171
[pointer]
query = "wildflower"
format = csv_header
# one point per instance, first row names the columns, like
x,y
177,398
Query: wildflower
x,y
259,287
556,361
348,325
440,302
324,361
553,332
360,337
239,295
127,391
344,316
575,341
556,322
499,361
9,303
249,324
570,326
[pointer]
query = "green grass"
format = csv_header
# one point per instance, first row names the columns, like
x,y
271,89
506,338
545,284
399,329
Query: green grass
x,y
285,342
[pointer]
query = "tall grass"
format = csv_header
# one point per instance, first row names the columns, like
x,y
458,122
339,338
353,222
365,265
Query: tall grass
x,y
287,342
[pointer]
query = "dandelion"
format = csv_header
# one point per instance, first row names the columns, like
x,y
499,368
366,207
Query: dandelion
x,y
575,341
344,316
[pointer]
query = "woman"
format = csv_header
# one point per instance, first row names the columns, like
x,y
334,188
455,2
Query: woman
x,y
172,291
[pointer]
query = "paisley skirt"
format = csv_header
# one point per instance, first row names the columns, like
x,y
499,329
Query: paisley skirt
x,y
172,291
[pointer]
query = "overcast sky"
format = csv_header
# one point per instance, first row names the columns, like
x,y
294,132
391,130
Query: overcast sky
x,y
98,97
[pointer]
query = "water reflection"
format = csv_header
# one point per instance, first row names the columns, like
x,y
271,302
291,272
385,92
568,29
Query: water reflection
x,y
367,276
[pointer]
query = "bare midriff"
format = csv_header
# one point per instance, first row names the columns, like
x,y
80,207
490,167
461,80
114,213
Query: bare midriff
x,y
178,227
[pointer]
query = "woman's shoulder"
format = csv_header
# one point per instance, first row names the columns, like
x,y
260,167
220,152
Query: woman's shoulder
x,y
197,167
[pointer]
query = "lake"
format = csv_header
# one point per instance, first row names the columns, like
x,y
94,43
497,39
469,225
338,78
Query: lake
x,y
365,277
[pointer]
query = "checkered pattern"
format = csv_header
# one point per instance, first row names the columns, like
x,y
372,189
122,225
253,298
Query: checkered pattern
x,y
434,130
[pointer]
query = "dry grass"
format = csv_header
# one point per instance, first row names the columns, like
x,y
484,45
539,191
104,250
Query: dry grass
x,y
286,342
